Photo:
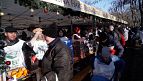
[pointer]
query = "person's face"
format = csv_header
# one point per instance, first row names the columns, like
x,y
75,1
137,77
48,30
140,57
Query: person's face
x,y
11,36
47,39
111,28
41,37
60,33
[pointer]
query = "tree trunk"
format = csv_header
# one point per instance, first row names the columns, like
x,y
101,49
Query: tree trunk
x,y
132,11
141,11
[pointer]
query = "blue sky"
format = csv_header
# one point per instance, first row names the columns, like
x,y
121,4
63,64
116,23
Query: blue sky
x,y
103,4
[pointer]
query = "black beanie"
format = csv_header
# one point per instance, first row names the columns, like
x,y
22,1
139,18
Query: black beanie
x,y
50,31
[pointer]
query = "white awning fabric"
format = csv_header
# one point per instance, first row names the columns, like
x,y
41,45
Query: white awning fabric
x,y
80,6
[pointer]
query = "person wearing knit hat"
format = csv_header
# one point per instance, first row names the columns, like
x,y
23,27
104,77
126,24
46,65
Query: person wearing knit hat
x,y
106,52
104,67
57,59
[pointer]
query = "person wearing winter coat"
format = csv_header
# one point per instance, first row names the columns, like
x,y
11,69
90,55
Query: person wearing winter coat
x,y
56,64
104,67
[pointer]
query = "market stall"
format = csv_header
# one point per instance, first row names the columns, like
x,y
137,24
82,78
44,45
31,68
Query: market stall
x,y
66,14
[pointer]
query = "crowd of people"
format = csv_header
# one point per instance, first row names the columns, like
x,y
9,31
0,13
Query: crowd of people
x,y
47,49
42,51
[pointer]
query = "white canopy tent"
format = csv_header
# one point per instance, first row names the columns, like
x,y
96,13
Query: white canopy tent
x,y
82,7
20,16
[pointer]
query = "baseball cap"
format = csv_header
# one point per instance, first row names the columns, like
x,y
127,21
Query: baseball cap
x,y
10,29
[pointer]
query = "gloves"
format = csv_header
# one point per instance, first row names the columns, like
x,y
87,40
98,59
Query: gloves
x,y
113,51
34,59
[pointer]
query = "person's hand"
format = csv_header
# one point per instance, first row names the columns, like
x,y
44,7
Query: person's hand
x,y
37,30
113,51
38,33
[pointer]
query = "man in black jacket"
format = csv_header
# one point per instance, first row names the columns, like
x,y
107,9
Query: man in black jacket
x,y
57,63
